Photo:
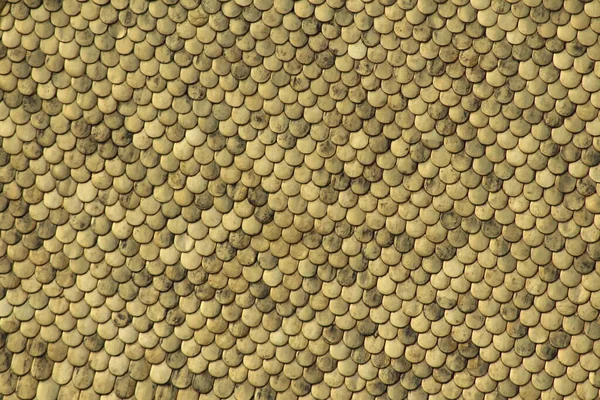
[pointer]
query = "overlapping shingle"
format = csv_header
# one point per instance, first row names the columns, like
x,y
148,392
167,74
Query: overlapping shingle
x,y
279,199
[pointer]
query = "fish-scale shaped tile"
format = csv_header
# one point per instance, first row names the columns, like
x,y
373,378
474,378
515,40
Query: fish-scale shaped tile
x,y
404,194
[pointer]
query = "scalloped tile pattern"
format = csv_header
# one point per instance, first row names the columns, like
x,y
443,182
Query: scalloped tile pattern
x,y
277,199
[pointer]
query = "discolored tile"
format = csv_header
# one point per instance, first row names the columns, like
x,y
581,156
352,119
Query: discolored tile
x,y
279,199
